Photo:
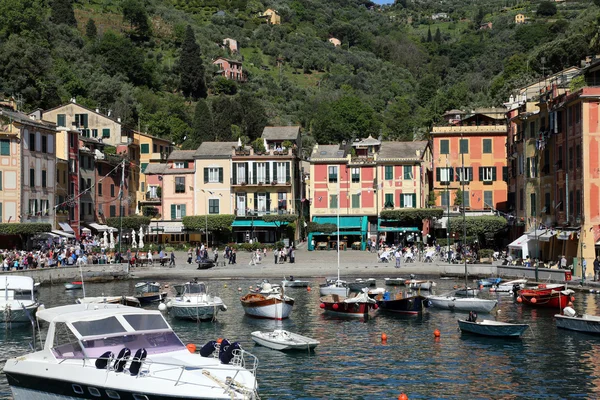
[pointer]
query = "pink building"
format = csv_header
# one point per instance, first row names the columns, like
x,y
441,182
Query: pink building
x,y
230,69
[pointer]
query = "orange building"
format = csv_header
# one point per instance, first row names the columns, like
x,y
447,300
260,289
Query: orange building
x,y
471,151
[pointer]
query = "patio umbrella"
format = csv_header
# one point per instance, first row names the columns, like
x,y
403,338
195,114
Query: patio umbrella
x,y
112,239
141,243
105,240
133,241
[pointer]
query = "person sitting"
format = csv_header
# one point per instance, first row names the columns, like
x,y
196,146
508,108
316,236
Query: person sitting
x,y
472,316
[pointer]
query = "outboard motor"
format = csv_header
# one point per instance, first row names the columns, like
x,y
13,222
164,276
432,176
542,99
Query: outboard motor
x,y
515,289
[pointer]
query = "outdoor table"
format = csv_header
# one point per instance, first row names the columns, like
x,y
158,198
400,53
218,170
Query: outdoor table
x,y
356,245
321,245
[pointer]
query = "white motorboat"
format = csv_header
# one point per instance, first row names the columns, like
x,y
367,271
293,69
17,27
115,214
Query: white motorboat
x,y
17,299
334,286
507,287
420,284
271,306
294,282
147,287
125,300
462,303
112,351
267,288
280,339
466,292
582,323
195,303
360,283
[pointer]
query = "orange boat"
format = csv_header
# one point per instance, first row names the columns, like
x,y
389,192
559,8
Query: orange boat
x,y
548,296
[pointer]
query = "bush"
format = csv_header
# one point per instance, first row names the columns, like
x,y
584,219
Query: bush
x,y
215,222
130,222
279,245
24,229
412,215
486,253
325,228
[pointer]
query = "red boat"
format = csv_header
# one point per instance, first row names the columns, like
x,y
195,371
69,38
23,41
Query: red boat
x,y
549,296
360,305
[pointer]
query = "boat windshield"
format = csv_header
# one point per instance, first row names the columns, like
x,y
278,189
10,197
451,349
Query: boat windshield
x,y
16,294
153,342
104,326
195,288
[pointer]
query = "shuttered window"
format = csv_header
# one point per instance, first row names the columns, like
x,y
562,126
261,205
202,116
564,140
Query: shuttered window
x,y
444,146
145,148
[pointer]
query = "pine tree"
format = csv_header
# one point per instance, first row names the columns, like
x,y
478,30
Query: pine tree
x,y
438,36
90,29
62,12
191,70
203,129
429,35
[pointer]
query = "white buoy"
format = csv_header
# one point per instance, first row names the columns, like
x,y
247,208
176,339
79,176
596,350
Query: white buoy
x,y
162,307
591,290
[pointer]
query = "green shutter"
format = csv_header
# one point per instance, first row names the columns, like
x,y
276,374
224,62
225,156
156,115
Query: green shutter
x,y
173,212
144,165
247,171
355,201
1,212
401,200
183,210
287,172
5,147
0,180
451,174
145,148
205,175
437,174
61,120
389,172
220,175
464,146
267,172
494,173
487,145
186,165
414,196
85,120
253,173
444,147
268,195
106,132
255,201
234,172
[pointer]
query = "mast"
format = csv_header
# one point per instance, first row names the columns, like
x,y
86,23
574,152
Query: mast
x,y
338,224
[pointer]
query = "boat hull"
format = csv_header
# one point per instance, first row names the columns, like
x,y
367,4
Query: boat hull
x,y
492,328
395,281
267,307
585,323
546,297
73,286
17,314
276,342
462,304
355,310
152,297
295,283
194,312
489,282
337,290
410,305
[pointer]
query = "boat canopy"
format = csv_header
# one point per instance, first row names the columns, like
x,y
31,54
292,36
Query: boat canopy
x,y
90,312
17,283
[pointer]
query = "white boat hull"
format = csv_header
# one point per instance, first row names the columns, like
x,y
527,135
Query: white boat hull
x,y
284,340
585,323
16,314
280,310
462,304
339,290
196,312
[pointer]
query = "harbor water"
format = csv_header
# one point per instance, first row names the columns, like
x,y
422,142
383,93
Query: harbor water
x,y
351,361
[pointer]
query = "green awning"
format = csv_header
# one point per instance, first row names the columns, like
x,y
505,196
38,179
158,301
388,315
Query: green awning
x,y
397,229
257,223
342,233
345,222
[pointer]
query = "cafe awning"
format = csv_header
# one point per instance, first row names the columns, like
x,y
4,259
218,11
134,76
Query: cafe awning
x,y
567,235
99,227
541,235
334,234
519,243
165,227
345,222
66,227
257,223
63,234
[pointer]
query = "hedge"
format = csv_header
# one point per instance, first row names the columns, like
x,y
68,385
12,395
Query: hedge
x,y
129,222
477,226
215,222
412,215
25,228
280,218
325,228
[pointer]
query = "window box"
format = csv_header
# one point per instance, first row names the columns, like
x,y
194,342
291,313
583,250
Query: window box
x,y
273,182
243,183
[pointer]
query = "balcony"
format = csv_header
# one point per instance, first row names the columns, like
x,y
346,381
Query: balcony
x,y
261,212
248,151
38,219
255,182
152,198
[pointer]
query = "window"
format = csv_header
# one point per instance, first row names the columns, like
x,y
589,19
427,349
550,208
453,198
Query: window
x,y
95,133
145,148
464,174
532,204
32,177
488,199
112,190
532,167
32,206
578,203
408,172
44,206
546,203
561,204
4,147
389,172
389,200
464,146
241,173
44,144
283,172
445,196
113,211
487,174
143,167
105,133
521,163
179,165
213,175
355,175
61,120
180,184
570,158
444,146
408,200
571,203
213,206
43,179
1,212
142,187
444,174
89,183
81,120
487,146
154,148
260,172
32,141
532,129
356,201
282,201
0,180
99,189
578,156
333,201
333,174
466,199
521,199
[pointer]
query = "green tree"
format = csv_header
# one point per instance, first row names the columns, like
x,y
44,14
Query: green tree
x,y
254,115
203,128
191,70
429,37
438,36
135,13
62,12
21,16
222,85
90,29
546,8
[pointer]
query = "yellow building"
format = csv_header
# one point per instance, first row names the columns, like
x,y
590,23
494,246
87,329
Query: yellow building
x,y
212,178
272,17
520,19
152,150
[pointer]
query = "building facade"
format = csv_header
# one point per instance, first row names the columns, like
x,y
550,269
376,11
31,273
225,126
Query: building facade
x,y
152,150
230,69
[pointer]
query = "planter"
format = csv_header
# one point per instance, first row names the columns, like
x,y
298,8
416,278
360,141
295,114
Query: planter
x,y
274,183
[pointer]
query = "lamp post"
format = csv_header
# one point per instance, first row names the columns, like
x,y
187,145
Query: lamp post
x,y
448,208
581,247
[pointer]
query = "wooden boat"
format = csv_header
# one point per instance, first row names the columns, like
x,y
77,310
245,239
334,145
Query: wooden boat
x,y
271,306
360,283
546,295
466,293
581,323
360,305
195,303
125,300
420,284
395,281
280,339
492,328
462,303
402,303
74,285
489,282
267,288
507,287
145,287
294,282
149,292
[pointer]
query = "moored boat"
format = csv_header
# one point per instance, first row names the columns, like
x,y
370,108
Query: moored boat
x,y
195,303
360,283
462,303
489,282
335,286
581,323
420,284
401,303
73,285
149,292
111,351
124,300
469,292
510,286
280,339
546,295
294,282
360,305
488,327
145,287
17,299
271,306
395,281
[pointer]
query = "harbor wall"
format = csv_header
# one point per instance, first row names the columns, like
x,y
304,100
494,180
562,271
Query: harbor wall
x,y
91,273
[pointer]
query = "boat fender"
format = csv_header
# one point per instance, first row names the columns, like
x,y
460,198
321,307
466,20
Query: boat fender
x,y
223,346
429,303
356,306
104,359
136,363
208,348
569,312
227,355
122,358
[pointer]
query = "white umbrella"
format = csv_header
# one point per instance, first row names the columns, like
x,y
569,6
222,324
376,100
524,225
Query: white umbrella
x,y
112,239
141,243
133,241
239,142
265,144
105,240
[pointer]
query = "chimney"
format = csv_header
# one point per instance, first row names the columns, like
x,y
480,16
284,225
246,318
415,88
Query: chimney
x,y
119,119
98,110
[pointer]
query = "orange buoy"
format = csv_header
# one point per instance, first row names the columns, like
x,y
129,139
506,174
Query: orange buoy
x,y
480,287
308,288
191,347
219,340
383,337
335,306
436,333
322,305
403,397
570,304
533,300
519,299
572,298
375,306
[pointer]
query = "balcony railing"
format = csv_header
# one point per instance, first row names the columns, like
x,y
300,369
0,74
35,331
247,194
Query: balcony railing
x,y
261,212
256,182
150,197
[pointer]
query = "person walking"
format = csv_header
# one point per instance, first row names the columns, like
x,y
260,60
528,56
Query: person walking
x,y
253,259
398,257
292,255
172,262
563,262
276,254
189,254
233,256
596,269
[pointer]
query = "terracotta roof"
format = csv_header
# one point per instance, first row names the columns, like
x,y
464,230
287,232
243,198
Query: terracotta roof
x,y
370,141
183,155
402,150
215,150
281,133
328,151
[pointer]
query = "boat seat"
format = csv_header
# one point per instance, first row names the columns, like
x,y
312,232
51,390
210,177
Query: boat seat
x,y
136,363
121,360
104,359
335,298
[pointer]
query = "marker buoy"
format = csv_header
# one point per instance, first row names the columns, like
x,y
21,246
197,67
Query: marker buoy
x,y
191,347
219,340
533,300
383,337
335,306
239,289
436,333
308,288
403,397
572,298
225,285
519,299
322,305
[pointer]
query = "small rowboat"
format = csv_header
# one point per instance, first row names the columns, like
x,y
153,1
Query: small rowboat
x,y
492,328
280,339
469,292
546,295
582,323
489,282
395,281
420,284
73,285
